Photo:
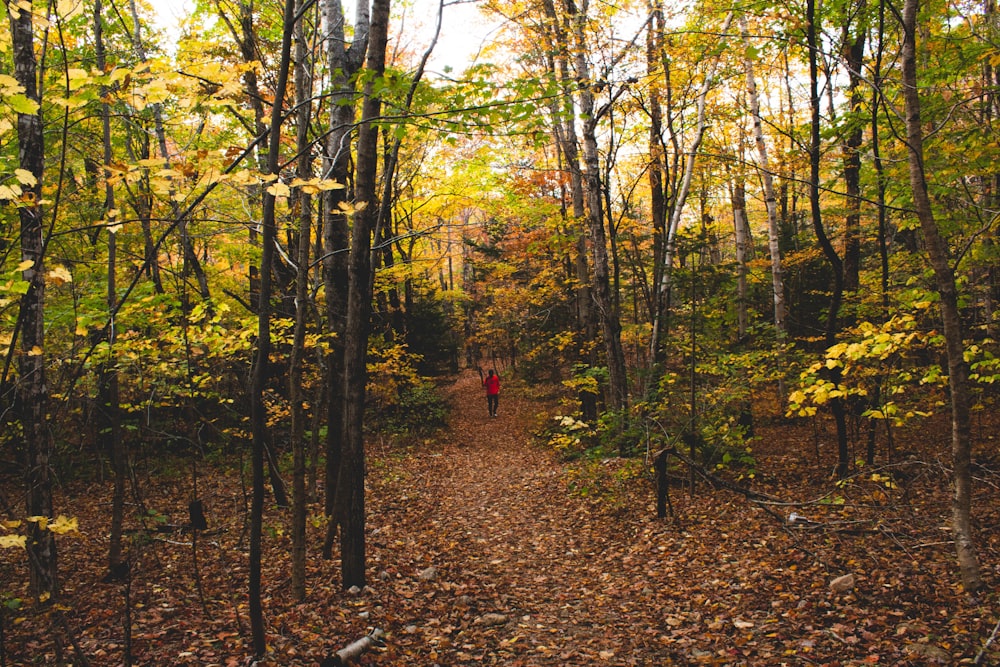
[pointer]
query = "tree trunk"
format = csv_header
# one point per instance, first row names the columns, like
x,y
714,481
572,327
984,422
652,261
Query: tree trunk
x,y
108,392
854,55
343,61
767,180
657,157
564,130
603,298
351,481
303,92
678,207
883,246
740,226
32,391
262,359
958,369
832,326
190,262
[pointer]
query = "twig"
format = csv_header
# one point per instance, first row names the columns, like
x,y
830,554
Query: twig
x,y
993,635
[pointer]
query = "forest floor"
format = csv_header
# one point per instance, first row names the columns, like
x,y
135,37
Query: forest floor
x,y
484,550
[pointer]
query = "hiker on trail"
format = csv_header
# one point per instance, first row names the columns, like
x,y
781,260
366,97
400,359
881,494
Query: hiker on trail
x,y
492,384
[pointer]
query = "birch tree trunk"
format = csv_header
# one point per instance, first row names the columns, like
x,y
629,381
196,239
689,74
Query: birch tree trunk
x,y
958,369
682,194
603,298
740,227
767,181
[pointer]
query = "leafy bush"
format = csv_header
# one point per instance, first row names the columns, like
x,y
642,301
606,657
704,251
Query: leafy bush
x,y
419,409
569,437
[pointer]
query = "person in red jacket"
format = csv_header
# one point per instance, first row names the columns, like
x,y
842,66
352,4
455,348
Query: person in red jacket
x,y
492,384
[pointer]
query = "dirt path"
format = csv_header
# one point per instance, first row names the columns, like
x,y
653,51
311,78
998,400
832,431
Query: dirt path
x,y
524,573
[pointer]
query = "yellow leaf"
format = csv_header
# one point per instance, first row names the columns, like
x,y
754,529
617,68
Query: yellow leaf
x,y
10,191
63,525
25,265
157,92
25,177
69,8
279,190
35,352
42,521
12,541
329,184
59,276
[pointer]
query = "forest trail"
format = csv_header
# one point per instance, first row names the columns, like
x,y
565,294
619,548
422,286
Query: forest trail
x,y
525,573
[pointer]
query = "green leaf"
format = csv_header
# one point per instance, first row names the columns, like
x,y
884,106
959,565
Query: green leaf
x,y
22,105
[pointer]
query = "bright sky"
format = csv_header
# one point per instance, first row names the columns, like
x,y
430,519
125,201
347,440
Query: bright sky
x,y
463,30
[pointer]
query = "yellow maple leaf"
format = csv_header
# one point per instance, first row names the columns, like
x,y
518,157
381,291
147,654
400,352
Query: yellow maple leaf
x,y
64,524
279,190
12,541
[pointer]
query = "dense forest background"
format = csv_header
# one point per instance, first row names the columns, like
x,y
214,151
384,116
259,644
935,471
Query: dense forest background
x,y
264,243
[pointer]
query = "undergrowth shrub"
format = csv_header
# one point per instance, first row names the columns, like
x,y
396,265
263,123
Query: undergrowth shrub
x,y
399,399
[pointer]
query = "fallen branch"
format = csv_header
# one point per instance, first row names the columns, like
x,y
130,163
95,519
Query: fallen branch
x,y
354,650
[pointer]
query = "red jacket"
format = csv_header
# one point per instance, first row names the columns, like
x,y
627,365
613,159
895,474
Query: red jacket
x,y
492,384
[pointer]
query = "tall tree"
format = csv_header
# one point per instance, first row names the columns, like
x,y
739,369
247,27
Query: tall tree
x,y
344,59
351,482
568,145
304,204
32,390
853,53
261,362
767,180
604,301
108,392
677,209
958,368
832,258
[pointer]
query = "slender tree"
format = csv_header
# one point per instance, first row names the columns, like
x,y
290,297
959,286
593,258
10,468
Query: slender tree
x,y
303,203
563,114
32,390
677,209
853,53
832,258
767,180
607,314
261,364
344,59
108,392
958,368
